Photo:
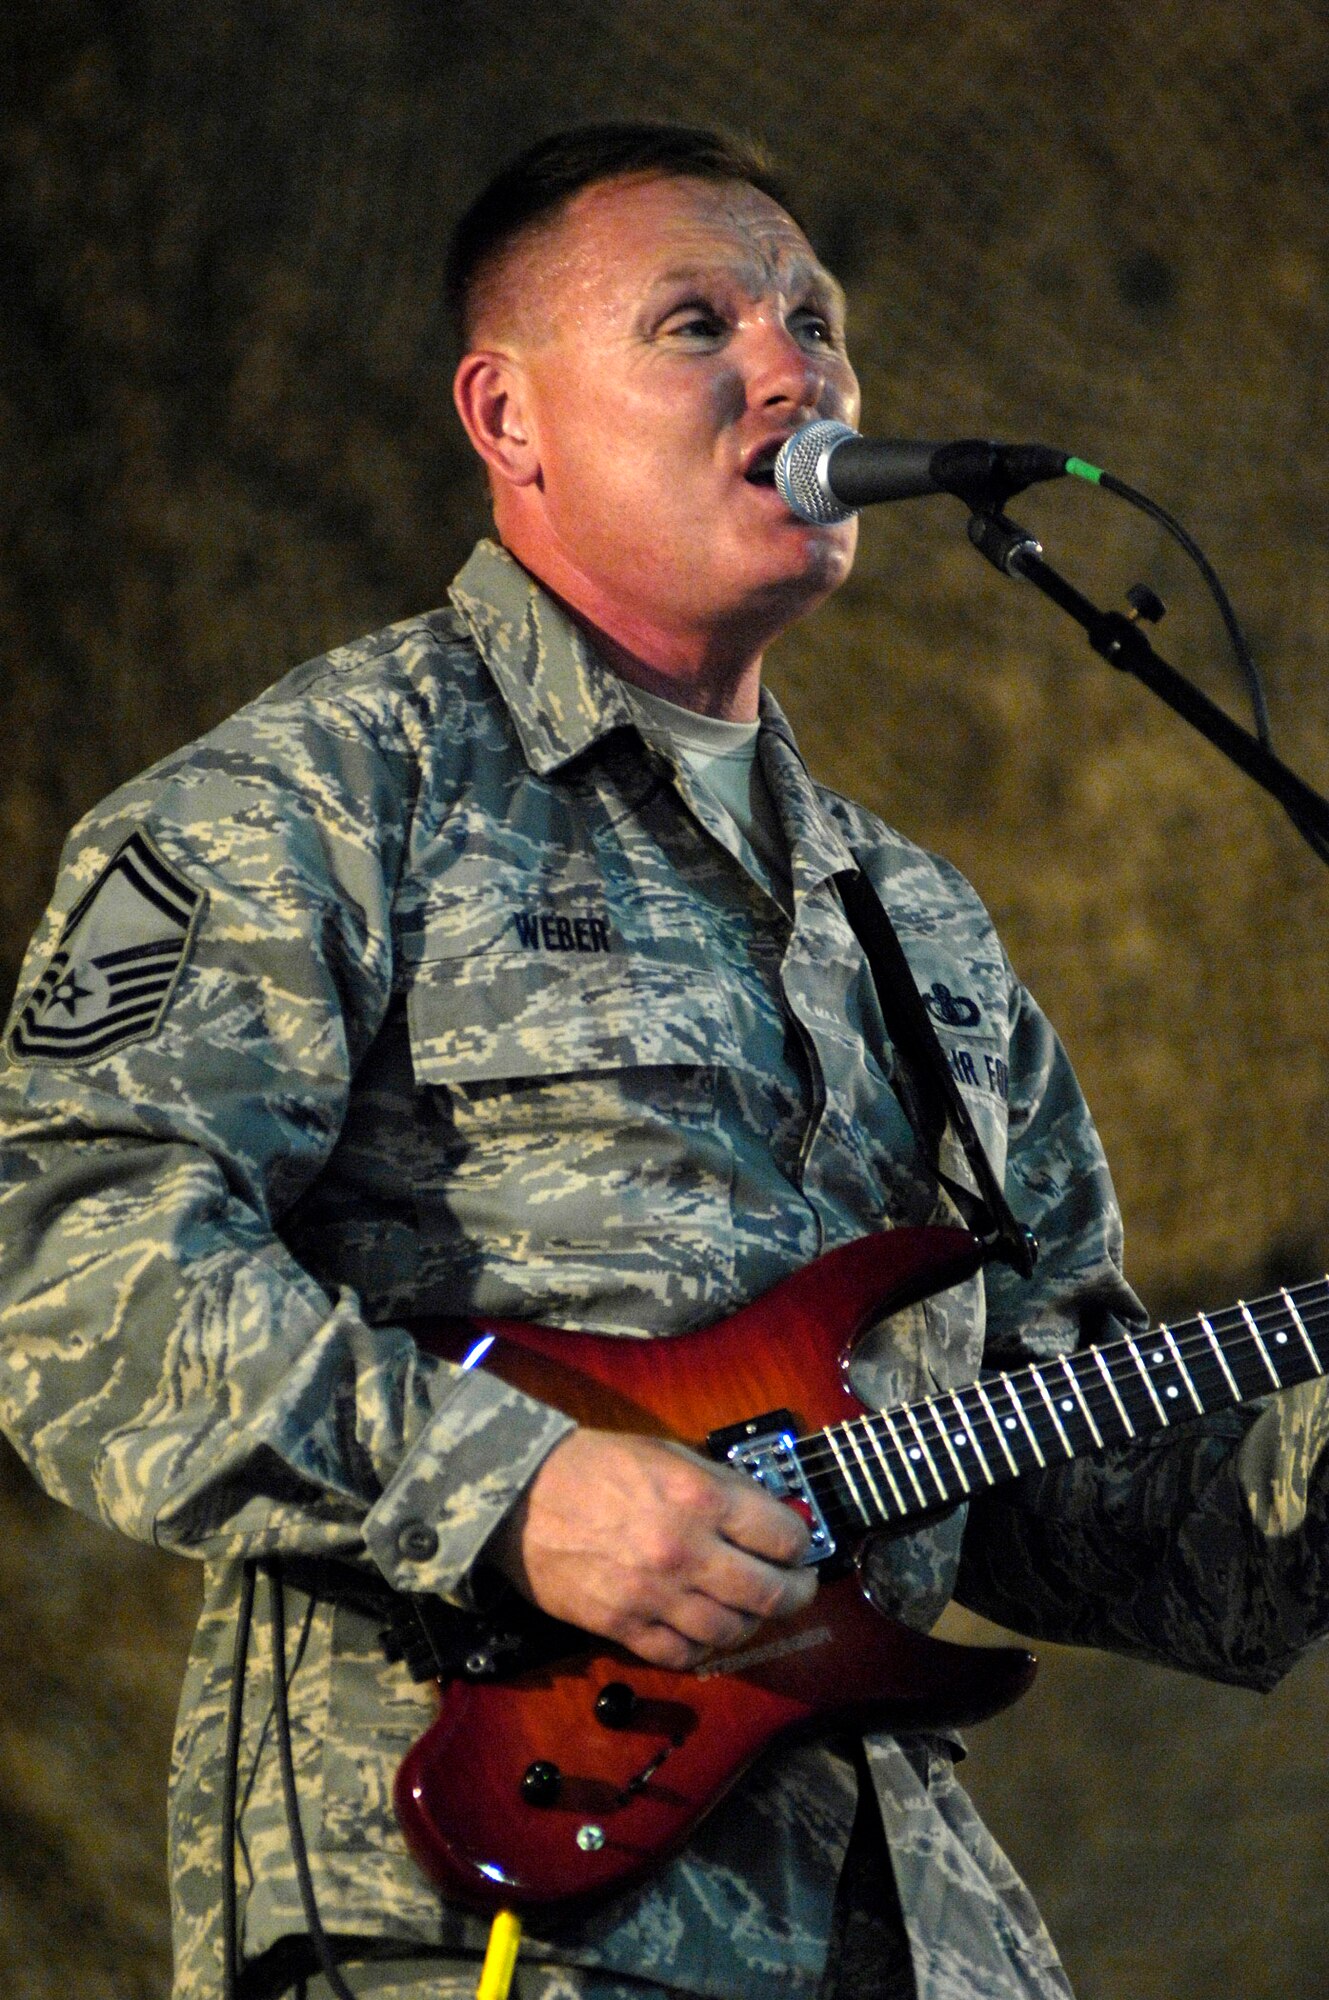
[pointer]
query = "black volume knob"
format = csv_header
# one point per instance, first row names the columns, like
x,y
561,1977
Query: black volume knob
x,y
615,1705
541,1783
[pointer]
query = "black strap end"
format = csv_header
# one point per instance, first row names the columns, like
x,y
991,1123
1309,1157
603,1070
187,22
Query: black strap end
x,y
1019,1248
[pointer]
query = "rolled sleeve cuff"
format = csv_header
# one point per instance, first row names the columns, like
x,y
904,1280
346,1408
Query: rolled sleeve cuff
x,y
466,1471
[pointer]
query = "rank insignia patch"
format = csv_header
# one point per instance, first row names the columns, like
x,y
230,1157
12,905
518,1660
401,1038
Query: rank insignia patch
x,y
115,967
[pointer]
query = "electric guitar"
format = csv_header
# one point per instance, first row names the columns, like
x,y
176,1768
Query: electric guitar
x,y
561,1768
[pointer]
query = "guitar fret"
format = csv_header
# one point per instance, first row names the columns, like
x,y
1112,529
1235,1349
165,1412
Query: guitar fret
x,y
1210,1383
1094,1432
927,1455
851,1432
907,1463
1288,1363
949,1443
1066,1444
979,1452
1021,1412
905,1459
1110,1379
1258,1338
1182,1369
1136,1389
1301,1329
997,1430
1221,1358
1136,1356
1160,1360
875,1442
847,1475
1249,1366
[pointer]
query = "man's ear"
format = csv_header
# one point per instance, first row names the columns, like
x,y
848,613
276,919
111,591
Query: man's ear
x,y
492,397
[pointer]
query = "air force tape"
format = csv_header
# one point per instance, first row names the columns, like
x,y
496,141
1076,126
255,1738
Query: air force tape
x,y
115,967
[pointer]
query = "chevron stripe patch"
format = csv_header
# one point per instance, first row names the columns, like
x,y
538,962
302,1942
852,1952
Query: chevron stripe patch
x,y
114,969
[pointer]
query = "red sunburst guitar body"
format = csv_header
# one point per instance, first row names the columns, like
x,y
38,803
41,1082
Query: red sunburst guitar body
x,y
569,1780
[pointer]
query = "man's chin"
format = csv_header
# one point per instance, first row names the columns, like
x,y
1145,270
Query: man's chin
x,y
817,563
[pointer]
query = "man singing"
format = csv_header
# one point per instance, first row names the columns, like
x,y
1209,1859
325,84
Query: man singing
x,y
498,963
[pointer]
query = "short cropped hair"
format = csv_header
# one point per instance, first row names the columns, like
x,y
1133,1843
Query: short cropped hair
x,y
536,186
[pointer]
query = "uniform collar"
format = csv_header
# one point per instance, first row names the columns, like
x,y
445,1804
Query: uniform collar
x,y
817,848
562,698
560,694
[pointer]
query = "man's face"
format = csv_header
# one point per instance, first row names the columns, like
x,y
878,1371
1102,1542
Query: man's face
x,y
676,333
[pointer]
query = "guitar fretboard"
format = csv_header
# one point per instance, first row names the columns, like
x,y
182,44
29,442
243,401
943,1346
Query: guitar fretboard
x,y
893,1465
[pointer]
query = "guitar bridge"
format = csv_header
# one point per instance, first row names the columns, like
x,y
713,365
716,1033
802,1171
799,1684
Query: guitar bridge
x,y
763,1447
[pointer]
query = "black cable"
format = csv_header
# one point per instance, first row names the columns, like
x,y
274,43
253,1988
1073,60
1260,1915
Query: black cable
x,y
1240,645
231,1956
299,1852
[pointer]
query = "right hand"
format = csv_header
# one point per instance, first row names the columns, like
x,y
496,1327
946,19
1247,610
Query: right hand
x,y
651,1546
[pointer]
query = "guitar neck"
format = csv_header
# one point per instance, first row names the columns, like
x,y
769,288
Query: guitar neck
x,y
894,1465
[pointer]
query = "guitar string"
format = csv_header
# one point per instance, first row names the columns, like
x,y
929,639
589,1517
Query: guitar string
x,y
1182,1349
933,1449
1199,1354
831,1492
938,1431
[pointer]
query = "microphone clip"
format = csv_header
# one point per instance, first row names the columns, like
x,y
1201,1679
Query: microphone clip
x,y
986,475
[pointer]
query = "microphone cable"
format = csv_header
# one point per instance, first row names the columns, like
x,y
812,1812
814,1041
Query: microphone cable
x,y
1080,468
984,476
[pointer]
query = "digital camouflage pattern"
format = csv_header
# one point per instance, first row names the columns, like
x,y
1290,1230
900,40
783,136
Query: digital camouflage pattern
x,y
483,1009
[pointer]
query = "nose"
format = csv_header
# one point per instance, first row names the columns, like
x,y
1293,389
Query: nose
x,y
781,373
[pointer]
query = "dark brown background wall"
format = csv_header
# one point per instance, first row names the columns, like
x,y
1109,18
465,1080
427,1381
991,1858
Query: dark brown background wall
x,y
226,442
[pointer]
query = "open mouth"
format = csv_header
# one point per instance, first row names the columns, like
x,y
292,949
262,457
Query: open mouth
x,y
761,472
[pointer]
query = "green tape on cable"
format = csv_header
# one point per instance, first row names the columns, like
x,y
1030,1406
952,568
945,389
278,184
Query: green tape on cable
x,y
1080,468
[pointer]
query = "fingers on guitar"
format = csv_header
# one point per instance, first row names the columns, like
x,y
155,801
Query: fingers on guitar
x,y
754,1588
663,1646
756,1522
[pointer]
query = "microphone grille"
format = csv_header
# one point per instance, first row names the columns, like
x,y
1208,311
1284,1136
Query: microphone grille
x,y
801,472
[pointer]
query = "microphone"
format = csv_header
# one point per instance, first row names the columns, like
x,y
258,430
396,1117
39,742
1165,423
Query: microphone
x,y
826,471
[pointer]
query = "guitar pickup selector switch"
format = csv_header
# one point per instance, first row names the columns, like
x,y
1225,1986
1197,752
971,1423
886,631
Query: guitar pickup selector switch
x,y
764,1448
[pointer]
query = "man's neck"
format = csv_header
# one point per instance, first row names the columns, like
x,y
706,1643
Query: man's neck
x,y
702,684
712,670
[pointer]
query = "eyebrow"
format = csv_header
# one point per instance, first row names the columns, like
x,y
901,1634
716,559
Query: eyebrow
x,y
819,282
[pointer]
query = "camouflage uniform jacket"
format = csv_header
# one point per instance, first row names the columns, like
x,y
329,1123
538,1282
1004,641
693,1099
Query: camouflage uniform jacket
x,y
430,982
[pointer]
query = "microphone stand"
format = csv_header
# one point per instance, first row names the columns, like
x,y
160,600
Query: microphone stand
x,y
1121,641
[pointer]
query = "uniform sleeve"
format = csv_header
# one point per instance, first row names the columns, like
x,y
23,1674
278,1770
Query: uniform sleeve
x,y
1204,1548
216,962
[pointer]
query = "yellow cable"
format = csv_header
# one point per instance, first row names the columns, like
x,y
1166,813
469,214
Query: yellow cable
x,y
500,1957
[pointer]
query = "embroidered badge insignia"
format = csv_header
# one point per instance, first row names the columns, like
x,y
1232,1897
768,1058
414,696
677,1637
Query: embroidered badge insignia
x,y
953,1009
115,967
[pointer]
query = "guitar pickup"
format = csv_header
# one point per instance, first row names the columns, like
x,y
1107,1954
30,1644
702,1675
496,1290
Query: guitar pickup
x,y
763,1447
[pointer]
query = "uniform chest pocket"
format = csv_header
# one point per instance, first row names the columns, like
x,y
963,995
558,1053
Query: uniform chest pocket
x,y
489,1015
585,1159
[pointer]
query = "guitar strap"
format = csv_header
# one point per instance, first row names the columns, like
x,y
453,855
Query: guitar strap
x,y
924,1079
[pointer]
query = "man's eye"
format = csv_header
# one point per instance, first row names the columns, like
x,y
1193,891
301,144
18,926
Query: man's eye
x,y
813,327
695,322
